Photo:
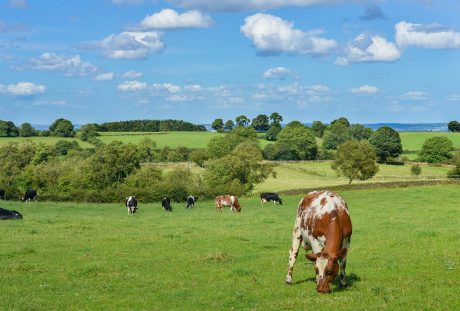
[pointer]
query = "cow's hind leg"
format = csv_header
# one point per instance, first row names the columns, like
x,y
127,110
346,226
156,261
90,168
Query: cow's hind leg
x,y
296,241
342,277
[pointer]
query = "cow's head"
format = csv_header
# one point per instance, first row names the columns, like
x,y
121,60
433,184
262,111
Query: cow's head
x,y
17,215
327,268
237,206
281,202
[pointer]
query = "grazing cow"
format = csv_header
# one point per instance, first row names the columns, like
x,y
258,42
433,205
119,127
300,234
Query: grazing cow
x,y
270,196
30,194
2,194
228,200
324,226
7,214
131,204
190,202
166,203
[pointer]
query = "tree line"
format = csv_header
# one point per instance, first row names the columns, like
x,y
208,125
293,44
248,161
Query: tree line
x,y
64,128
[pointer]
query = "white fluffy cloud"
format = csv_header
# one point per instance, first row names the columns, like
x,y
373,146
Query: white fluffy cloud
x,y
244,5
365,89
170,19
273,35
131,74
71,65
431,36
128,45
169,87
132,86
415,95
104,76
277,73
367,48
22,89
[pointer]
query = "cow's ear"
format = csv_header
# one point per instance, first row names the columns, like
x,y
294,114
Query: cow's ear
x,y
312,257
342,253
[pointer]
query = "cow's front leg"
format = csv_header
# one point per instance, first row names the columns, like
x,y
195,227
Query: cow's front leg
x,y
342,277
296,241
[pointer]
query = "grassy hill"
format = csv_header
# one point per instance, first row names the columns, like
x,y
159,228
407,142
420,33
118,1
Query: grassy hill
x,y
96,257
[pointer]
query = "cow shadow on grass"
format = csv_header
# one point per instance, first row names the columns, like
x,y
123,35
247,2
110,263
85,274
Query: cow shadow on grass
x,y
352,279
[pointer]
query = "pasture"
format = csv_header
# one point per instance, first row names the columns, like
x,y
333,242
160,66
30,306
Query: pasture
x,y
46,140
404,255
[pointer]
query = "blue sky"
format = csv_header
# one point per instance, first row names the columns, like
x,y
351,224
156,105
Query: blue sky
x,y
197,60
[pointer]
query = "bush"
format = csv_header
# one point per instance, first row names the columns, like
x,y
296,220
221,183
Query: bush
x,y
64,146
436,149
416,170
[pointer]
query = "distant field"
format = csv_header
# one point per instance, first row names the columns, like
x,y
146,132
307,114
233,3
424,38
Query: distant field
x,y
404,255
311,174
46,140
413,141
162,139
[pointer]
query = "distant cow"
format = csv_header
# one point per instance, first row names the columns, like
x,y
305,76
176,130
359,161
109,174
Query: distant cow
x,y
270,196
190,202
166,203
2,194
227,200
30,194
324,226
7,214
131,204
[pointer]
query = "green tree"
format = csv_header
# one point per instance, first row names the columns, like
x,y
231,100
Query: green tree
x,y
436,149
455,172
218,125
387,143
273,132
260,123
242,120
26,130
278,151
416,170
335,135
64,146
453,126
199,156
220,146
62,128
111,164
238,172
359,132
318,128
300,140
276,119
88,132
8,129
146,149
355,160
344,121
229,125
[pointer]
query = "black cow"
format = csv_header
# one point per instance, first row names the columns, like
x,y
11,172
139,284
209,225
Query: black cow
x,y
7,214
190,202
166,203
131,204
270,196
2,194
30,194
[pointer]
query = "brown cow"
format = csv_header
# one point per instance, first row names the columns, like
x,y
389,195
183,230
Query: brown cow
x,y
324,226
227,200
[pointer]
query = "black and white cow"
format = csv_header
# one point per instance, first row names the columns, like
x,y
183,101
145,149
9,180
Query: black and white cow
x,y
270,196
166,203
7,214
2,194
31,194
190,202
131,204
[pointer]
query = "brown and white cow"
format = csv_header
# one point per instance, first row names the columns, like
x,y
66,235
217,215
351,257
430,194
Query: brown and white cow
x,y
227,200
323,225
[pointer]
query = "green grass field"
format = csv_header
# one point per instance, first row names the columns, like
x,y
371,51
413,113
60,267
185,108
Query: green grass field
x,y
404,255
